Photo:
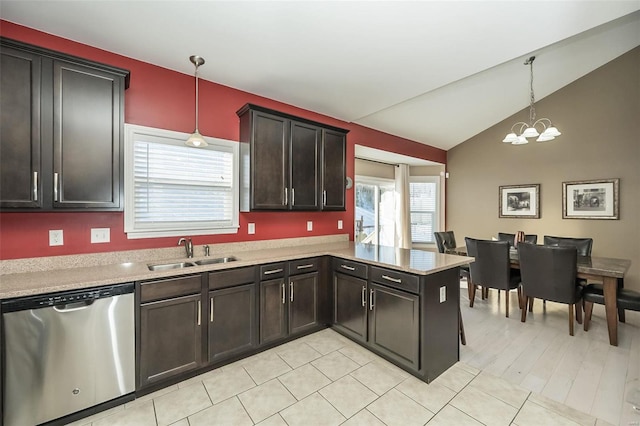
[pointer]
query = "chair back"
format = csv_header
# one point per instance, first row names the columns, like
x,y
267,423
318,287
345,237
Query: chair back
x,y
445,241
533,238
549,272
491,267
583,245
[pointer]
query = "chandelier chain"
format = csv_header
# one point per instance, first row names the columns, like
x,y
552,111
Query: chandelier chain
x,y
532,100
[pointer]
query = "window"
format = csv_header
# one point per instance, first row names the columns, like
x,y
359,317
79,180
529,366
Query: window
x,y
424,208
173,190
375,211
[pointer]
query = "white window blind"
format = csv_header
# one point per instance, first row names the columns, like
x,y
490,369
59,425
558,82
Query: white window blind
x,y
173,189
423,206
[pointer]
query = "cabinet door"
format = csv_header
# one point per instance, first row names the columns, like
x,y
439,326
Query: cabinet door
x,y
350,305
303,302
170,338
269,162
305,162
87,137
273,320
20,174
334,170
232,321
394,324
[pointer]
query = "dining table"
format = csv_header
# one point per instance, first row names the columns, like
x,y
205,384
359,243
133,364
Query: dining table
x,y
593,268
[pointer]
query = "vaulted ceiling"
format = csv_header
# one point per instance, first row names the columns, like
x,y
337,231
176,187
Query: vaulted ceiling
x,y
437,72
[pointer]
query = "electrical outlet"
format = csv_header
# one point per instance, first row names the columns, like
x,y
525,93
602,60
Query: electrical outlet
x,y
251,228
100,235
340,224
443,294
309,225
56,237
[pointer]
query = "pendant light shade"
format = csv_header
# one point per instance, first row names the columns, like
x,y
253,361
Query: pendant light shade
x,y
196,140
529,130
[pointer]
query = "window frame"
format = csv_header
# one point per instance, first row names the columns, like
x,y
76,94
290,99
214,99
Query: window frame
x,y
377,182
171,137
437,210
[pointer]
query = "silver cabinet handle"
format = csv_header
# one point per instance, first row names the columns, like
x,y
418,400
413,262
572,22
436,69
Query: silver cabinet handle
x,y
324,198
371,300
284,300
199,312
364,292
273,271
310,265
395,280
291,291
211,310
55,187
35,186
293,196
348,268
286,197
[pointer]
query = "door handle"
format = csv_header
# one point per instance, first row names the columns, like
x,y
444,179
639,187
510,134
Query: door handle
x,y
199,312
364,296
72,307
55,187
324,198
293,196
211,310
371,300
291,291
286,197
284,298
35,186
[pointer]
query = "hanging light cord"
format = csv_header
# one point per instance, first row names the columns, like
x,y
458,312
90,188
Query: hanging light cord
x,y
532,99
196,74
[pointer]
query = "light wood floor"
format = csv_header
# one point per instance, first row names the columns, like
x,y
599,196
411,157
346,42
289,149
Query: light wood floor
x,y
583,371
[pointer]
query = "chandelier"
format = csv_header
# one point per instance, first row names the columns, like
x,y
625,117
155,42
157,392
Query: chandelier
x,y
196,140
521,131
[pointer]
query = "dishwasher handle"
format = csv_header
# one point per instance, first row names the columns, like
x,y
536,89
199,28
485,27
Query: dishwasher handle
x,y
74,306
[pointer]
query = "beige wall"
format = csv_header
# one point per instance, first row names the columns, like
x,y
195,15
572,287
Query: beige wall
x,y
599,117
374,169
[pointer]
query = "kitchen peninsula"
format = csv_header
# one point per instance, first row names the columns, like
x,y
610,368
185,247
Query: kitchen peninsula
x,y
401,304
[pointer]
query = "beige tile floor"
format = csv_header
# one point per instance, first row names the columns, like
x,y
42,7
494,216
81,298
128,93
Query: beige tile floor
x,y
509,374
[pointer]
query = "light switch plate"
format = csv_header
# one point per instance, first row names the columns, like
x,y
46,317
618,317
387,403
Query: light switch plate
x,y
340,224
100,235
251,228
56,237
443,294
309,225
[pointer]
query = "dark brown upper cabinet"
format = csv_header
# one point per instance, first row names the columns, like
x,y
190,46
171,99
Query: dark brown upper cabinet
x,y
290,163
62,131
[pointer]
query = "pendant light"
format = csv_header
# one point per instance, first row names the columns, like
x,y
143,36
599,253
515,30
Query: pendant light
x,y
521,130
196,140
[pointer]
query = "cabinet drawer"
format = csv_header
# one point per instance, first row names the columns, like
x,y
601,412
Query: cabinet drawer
x,y
232,277
171,287
303,266
350,268
272,271
395,279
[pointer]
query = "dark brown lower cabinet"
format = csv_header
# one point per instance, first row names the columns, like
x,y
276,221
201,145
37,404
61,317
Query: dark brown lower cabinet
x,y
171,339
273,312
350,305
232,321
394,324
303,302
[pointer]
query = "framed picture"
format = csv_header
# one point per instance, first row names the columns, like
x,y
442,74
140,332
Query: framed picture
x,y
591,199
520,201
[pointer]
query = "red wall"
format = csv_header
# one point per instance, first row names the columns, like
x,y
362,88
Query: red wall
x,y
158,97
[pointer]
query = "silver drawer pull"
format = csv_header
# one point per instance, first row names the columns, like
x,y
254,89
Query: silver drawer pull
x,y
395,280
348,268
293,196
284,300
291,290
55,187
364,297
310,265
371,300
286,197
211,310
35,186
324,198
199,312
273,271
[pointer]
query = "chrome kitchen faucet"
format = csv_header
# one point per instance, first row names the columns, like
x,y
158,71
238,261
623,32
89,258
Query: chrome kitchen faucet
x,y
188,246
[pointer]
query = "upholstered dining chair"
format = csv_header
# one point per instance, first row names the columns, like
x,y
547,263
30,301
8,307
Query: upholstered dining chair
x,y
492,268
593,293
502,236
549,273
583,245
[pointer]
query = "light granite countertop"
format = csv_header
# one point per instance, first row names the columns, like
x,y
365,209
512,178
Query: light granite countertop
x,y
71,278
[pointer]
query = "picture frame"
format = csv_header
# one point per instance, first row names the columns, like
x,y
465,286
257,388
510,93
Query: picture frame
x,y
591,199
519,201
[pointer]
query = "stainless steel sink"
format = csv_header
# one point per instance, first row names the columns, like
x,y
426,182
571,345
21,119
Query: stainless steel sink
x,y
216,260
168,266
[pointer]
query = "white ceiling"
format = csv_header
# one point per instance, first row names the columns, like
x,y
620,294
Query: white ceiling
x,y
437,72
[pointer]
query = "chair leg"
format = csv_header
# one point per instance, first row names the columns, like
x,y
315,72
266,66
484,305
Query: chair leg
x,y
571,319
520,297
472,293
506,302
523,312
463,338
621,315
579,312
588,310
531,304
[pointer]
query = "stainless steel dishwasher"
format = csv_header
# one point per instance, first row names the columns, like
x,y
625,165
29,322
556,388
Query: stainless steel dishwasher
x,y
65,352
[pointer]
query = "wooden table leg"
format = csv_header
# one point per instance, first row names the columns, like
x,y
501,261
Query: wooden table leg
x,y
610,285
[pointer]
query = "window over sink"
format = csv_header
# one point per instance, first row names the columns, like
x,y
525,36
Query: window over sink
x,y
172,189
